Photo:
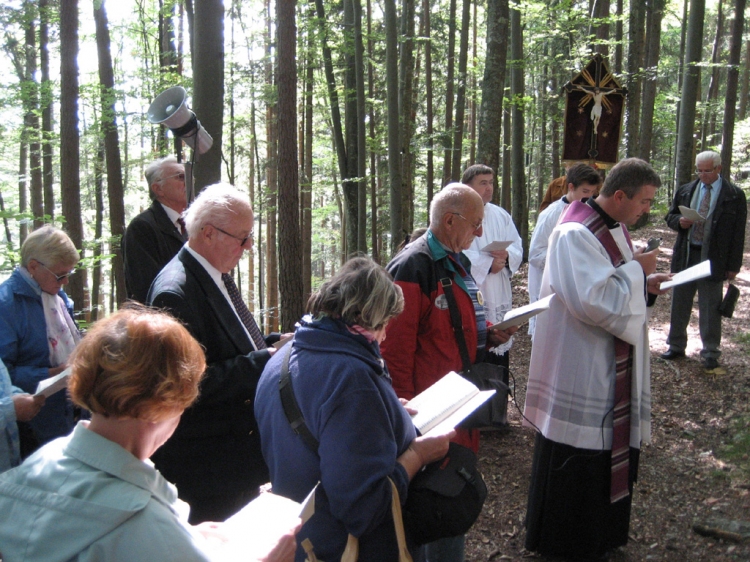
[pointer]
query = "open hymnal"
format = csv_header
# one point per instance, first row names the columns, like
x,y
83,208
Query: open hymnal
x,y
519,315
703,269
446,403
250,533
691,214
53,384
496,246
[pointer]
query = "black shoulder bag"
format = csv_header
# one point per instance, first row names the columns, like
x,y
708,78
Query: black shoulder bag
x,y
485,376
445,497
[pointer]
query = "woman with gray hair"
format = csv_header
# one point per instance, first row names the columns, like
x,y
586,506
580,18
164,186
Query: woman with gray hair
x,y
344,393
37,332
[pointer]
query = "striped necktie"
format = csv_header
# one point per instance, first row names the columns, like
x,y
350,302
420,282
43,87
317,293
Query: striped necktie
x,y
243,312
699,227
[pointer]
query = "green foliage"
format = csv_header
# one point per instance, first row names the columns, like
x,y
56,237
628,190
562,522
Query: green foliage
x,y
737,450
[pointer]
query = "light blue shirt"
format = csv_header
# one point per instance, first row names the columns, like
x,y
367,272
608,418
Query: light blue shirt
x,y
85,498
698,195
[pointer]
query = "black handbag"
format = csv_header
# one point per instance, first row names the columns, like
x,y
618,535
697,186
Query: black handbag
x,y
485,376
726,308
445,497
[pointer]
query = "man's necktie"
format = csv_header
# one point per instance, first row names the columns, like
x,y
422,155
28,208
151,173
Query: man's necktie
x,y
242,311
181,228
705,205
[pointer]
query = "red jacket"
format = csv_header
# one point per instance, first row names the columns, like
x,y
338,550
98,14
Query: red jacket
x,y
420,346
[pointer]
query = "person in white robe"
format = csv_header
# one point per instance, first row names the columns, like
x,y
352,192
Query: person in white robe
x,y
583,181
571,390
493,270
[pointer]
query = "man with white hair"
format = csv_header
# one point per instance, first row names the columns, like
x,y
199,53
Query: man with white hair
x,y
157,234
719,238
214,457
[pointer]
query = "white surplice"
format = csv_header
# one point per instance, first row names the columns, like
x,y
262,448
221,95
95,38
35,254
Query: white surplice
x,y
495,287
571,387
545,224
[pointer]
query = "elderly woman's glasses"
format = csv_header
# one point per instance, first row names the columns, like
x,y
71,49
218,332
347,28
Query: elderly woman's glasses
x,y
58,278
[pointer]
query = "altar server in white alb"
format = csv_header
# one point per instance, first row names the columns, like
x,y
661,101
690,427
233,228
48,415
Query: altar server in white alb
x,y
589,390
492,271
582,182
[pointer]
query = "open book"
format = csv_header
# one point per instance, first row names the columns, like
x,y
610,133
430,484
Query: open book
x,y
53,384
699,271
496,246
691,214
250,533
519,315
446,403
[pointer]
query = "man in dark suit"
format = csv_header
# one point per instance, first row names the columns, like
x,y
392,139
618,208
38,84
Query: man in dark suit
x,y
214,457
156,235
720,238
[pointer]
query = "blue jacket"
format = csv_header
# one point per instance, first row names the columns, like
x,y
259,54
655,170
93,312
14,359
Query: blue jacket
x,y
25,351
344,392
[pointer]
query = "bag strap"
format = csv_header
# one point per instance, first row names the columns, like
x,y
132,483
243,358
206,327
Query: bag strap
x,y
291,406
351,552
458,329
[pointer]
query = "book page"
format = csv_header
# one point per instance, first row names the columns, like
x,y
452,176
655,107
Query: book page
x,y
462,413
703,269
519,315
49,386
440,400
691,214
496,246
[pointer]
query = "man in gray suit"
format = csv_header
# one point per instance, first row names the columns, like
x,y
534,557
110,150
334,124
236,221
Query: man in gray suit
x,y
157,234
719,238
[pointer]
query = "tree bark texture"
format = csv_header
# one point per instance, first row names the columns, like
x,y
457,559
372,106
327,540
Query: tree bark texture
x,y
733,77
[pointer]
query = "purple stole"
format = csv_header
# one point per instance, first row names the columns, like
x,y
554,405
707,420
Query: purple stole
x,y
591,219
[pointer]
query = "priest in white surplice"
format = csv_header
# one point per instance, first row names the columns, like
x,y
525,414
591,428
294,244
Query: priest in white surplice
x,y
492,271
582,182
589,371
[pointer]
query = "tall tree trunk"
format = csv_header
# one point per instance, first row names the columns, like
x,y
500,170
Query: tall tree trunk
x,y
69,144
374,228
493,84
618,39
463,55
601,12
448,135
505,188
690,87
208,88
290,252
681,71
745,83
635,62
350,186
31,119
111,148
430,179
96,292
709,114
733,76
520,204
359,70
45,16
394,140
271,202
406,95
306,195
654,17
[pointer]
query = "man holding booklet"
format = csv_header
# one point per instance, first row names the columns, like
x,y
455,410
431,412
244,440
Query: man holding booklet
x,y
421,347
709,215
589,389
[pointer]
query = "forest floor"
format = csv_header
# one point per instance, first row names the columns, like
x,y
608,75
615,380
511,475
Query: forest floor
x,y
694,471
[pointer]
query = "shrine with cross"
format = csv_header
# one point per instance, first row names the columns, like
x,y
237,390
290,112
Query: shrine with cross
x,y
594,108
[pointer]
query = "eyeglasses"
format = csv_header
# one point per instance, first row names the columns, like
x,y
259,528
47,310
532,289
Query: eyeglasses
x,y
242,241
58,278
474,226
699,172
180,176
